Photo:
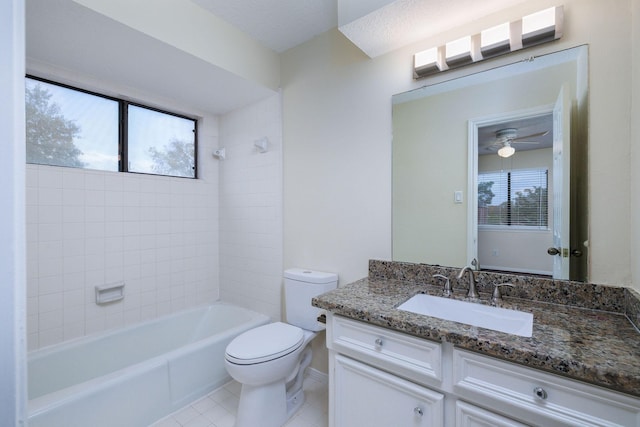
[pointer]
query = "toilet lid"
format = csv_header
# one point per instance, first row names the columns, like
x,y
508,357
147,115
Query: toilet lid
x,y
264,343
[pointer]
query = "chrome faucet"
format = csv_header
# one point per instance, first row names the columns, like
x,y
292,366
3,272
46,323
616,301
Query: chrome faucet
x,y
446,291
473,293
497,295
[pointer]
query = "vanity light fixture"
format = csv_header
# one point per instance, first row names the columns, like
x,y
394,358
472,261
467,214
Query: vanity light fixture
x,y
506,151
495,41
541,27
531,30
426,62
458,52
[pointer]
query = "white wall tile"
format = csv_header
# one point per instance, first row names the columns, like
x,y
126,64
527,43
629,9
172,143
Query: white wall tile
x,y
50,284
72,330
87,228
72,178
75,280
51,267
73,196
50,319
49,337
73,299
73,213
50,302
73,231
251,208
94,180
49,196
48,232
49,177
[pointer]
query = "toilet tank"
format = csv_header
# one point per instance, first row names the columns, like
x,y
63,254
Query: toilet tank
x,y
300,286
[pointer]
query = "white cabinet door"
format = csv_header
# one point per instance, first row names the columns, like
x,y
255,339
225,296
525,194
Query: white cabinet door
x,y
365,396
471,416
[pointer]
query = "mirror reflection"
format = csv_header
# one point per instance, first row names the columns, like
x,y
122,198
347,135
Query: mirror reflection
x,y
492,167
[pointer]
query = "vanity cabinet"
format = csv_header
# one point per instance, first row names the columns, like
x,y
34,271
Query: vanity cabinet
x,y
380,377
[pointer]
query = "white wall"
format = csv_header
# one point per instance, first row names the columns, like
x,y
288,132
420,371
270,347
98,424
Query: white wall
x,y
203,35
337,136
13,387
337,168
251,208
86,228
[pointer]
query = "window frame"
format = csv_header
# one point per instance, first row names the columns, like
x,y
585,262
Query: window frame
x,y
123,148
518,227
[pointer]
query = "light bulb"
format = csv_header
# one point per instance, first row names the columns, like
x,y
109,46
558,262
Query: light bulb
x,y
506,151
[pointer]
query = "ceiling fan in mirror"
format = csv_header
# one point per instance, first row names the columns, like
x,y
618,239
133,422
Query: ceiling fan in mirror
x,y
505,138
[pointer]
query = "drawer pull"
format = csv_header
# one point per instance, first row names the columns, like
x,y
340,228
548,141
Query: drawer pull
x,y
418,411
540,393
378,342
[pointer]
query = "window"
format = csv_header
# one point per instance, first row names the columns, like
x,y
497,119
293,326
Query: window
x,y
517,198
160,143
66,127
74,128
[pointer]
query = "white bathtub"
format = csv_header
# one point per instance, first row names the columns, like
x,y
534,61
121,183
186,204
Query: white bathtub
x,y
137,375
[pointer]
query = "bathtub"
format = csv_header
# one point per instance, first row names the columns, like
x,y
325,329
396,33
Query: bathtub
x,y
136,375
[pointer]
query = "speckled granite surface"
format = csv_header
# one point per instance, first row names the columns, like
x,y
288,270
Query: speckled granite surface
x,y
593,345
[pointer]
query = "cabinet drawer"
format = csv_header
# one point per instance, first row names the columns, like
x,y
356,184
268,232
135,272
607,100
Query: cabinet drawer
x,y
366,396
471,416
538,397
417,359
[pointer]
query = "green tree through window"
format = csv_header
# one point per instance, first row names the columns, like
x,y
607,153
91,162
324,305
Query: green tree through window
x,y
175,159
513,198
72,127
49,134
485,195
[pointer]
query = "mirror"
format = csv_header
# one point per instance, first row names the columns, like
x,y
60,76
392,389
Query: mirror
x,y
455,200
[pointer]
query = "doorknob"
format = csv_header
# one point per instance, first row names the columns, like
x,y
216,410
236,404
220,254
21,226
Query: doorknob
x,y
576,253
553,251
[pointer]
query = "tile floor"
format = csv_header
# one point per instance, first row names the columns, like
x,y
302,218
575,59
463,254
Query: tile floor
x,y
218,408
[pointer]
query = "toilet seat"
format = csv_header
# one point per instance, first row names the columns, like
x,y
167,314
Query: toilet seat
x,y
264,343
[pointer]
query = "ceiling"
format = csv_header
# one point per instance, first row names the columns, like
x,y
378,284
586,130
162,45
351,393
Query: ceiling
x,y
278,24
375,26
75,40
65,35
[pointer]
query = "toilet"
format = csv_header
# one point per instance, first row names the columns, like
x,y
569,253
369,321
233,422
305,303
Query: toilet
x,y
269,361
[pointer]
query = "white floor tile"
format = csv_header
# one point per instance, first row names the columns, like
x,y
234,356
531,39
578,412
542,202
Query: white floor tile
x,y
218,408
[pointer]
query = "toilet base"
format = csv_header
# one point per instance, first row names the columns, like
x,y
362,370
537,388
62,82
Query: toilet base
x,y
264,405
294,403
273,404
267,406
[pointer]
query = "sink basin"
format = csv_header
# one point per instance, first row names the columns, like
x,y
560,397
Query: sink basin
x,y
484,316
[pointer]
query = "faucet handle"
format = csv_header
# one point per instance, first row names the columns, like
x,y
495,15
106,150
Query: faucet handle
x,y
447,285
497,295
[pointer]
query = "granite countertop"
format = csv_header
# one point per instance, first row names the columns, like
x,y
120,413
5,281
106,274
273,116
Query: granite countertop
x,y
598,347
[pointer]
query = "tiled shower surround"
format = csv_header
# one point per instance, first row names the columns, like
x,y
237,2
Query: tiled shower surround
x,y
251,246
91,228
172,241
